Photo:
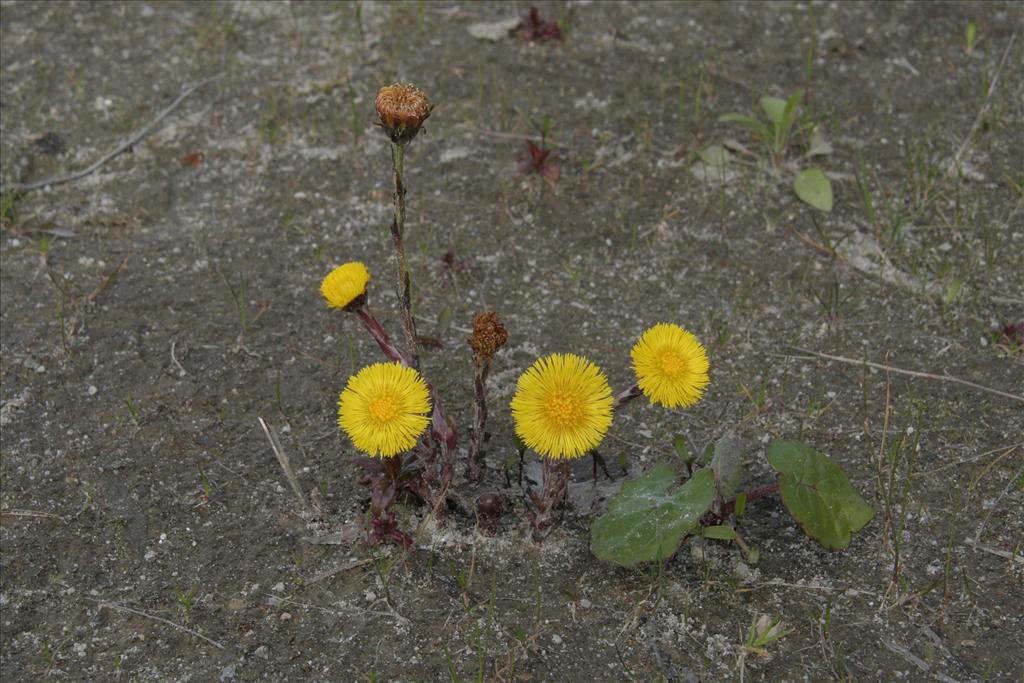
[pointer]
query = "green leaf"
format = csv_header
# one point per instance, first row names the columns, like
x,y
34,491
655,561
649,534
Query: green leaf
x,y
706,455
789,110
715,155
645,522
774,108
681,449
720,532
817,493
814,188
740,505
748,122
727,464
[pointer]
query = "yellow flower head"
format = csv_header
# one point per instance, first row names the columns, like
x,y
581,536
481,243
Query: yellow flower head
x,y
345,284
671,366
384,409
562,406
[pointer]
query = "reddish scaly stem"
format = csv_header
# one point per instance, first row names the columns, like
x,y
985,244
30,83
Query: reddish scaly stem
x,y
398,238
627,395
556,475
376,331
483,366
752,495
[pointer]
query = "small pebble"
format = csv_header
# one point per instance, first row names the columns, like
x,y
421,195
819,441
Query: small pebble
x,y
262,652
556,639
92,389
278,587
286,616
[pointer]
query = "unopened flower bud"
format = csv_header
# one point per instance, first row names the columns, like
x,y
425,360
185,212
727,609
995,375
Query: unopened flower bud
x,y
402,110
489,335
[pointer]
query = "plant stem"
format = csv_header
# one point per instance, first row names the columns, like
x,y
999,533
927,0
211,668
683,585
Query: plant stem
x,y
556,482
752,495
483,366
398,237
376,331
627,395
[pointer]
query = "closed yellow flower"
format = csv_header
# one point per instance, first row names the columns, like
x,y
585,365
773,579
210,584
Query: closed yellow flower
x,y
345,284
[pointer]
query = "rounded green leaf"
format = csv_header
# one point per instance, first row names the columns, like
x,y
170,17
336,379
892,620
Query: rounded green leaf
x,y
645,522
813,187
817,493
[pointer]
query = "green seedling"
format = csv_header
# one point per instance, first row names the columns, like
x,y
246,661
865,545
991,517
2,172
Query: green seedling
x,y
204,483
763,632
970,37
132,410
9,209
774,125
184,599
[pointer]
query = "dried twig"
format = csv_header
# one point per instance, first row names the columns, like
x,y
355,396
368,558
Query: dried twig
x,y
911,373
286,465
132,610
998,552
174,359
328,573
30,513
127,144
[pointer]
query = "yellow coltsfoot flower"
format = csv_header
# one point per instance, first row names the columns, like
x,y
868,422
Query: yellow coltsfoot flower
x,y
384,409
671,366
345,284
562,407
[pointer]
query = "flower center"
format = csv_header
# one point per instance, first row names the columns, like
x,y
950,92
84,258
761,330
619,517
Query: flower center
x,y
383,409
564,409
672,365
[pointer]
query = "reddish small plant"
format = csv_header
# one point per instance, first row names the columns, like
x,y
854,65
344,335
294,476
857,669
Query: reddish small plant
x,y
451,263
1009,337
539,161
532,28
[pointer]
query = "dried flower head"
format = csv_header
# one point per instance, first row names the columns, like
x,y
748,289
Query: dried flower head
x,y
345,284
402,110
671,366
562,406
489,335
384,409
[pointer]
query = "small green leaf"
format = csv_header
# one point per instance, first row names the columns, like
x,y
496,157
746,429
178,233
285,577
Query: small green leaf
x,y
520,444
740,506
748,122
817,493
706,455
720,532
774,108
789,111
715,155
645,522
682,450
814,188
